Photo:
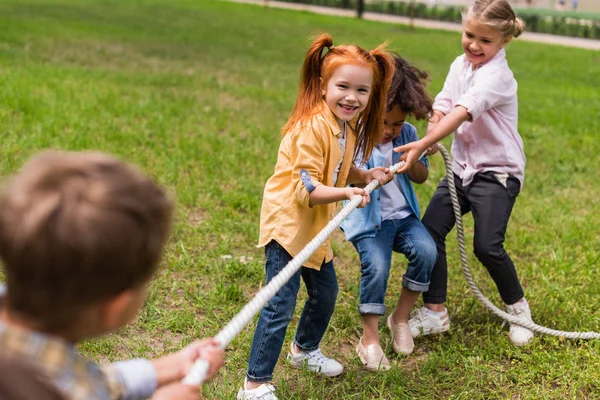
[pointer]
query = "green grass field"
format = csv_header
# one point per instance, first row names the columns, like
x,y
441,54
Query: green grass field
x,y
196,92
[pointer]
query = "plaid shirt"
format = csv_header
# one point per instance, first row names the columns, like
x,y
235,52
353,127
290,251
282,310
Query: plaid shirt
x,y
76,377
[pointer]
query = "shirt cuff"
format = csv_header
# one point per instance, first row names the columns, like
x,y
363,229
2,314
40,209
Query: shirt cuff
x,y
138,377
470,103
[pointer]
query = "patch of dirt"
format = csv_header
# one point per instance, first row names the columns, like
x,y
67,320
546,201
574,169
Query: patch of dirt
x,y
195,217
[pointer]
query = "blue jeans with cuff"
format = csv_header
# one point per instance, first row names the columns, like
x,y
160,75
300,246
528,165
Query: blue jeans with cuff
x,y
322,289
407,236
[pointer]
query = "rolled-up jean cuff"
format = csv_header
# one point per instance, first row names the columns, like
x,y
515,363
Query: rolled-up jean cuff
x,y
259,380
413,285
371,308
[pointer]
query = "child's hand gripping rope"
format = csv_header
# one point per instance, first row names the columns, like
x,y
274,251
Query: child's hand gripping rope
x,y
198,372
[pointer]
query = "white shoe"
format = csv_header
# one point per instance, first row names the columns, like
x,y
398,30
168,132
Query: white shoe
x,y
314,361
518,335
372,357
402,340
422,322
266,391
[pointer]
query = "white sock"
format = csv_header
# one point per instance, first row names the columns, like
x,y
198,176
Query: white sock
x,y
436,314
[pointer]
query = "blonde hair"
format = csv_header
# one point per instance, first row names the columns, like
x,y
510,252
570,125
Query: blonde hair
x,y
497,14
77,228
316,72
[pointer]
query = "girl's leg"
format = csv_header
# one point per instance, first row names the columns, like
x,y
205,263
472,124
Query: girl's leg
x,y
322,289
273,320
439,220
492,204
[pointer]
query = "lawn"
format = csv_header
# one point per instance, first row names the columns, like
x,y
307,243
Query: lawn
x,y
196,91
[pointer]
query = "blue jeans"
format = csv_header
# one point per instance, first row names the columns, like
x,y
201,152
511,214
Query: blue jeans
x,y
322,289
407,236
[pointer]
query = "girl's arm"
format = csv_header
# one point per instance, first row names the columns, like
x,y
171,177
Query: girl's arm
x,y
364,177
445,127
323,194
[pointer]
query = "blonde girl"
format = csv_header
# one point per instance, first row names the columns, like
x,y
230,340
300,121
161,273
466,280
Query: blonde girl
x,y
479,102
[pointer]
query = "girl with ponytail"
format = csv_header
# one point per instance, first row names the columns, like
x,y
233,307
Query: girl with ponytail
x,y
479,102
338,116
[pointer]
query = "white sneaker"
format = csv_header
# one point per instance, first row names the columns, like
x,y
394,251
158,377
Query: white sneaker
x,y
518,335
315,361
266,391
422,322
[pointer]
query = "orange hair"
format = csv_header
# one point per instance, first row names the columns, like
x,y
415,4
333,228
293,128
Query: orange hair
x,y
316,72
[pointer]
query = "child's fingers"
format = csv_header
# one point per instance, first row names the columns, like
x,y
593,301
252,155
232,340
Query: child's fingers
x,y
432,149
403,148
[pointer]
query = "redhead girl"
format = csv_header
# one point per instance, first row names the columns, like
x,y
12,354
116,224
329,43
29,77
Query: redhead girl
x,y
338,114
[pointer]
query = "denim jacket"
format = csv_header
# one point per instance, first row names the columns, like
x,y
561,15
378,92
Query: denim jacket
x,y
364,222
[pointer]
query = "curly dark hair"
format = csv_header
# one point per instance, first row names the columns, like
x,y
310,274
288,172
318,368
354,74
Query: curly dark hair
x,y
408,90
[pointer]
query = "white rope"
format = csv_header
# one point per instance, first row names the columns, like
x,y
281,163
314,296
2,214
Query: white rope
x,y
238,322
473,286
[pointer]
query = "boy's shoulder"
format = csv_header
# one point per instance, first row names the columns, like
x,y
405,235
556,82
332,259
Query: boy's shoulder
x,y
407,134
58,361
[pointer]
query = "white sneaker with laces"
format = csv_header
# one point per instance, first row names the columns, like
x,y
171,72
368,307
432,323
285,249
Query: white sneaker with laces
x,y
423,322
266,391
518,335
315,361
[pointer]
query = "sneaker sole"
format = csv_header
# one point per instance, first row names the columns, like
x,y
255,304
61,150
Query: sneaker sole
x,y
432,331
329,374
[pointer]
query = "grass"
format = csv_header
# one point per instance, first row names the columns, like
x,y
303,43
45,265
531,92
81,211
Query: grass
x,y
196,92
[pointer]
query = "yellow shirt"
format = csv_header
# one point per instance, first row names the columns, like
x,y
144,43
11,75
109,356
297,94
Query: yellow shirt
x,y
286,215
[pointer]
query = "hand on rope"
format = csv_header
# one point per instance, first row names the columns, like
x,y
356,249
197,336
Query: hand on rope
x,y
198,373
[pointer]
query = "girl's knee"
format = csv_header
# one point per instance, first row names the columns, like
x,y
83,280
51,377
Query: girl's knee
x,y
484,249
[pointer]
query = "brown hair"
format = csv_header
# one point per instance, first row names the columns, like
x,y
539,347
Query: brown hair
x,y
317,70
20,380
498,14
408,90
76,228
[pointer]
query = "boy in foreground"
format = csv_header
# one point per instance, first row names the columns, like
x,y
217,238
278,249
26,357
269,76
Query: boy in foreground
x,y
81,235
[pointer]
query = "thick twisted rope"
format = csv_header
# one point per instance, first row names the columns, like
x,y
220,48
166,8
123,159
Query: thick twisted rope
x,y
234,327
237,323
467,272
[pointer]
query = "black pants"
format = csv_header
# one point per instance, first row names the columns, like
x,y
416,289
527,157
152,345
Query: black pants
x,y
491,204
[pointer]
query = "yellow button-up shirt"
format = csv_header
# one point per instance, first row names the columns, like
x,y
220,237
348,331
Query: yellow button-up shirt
x,y
286,215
